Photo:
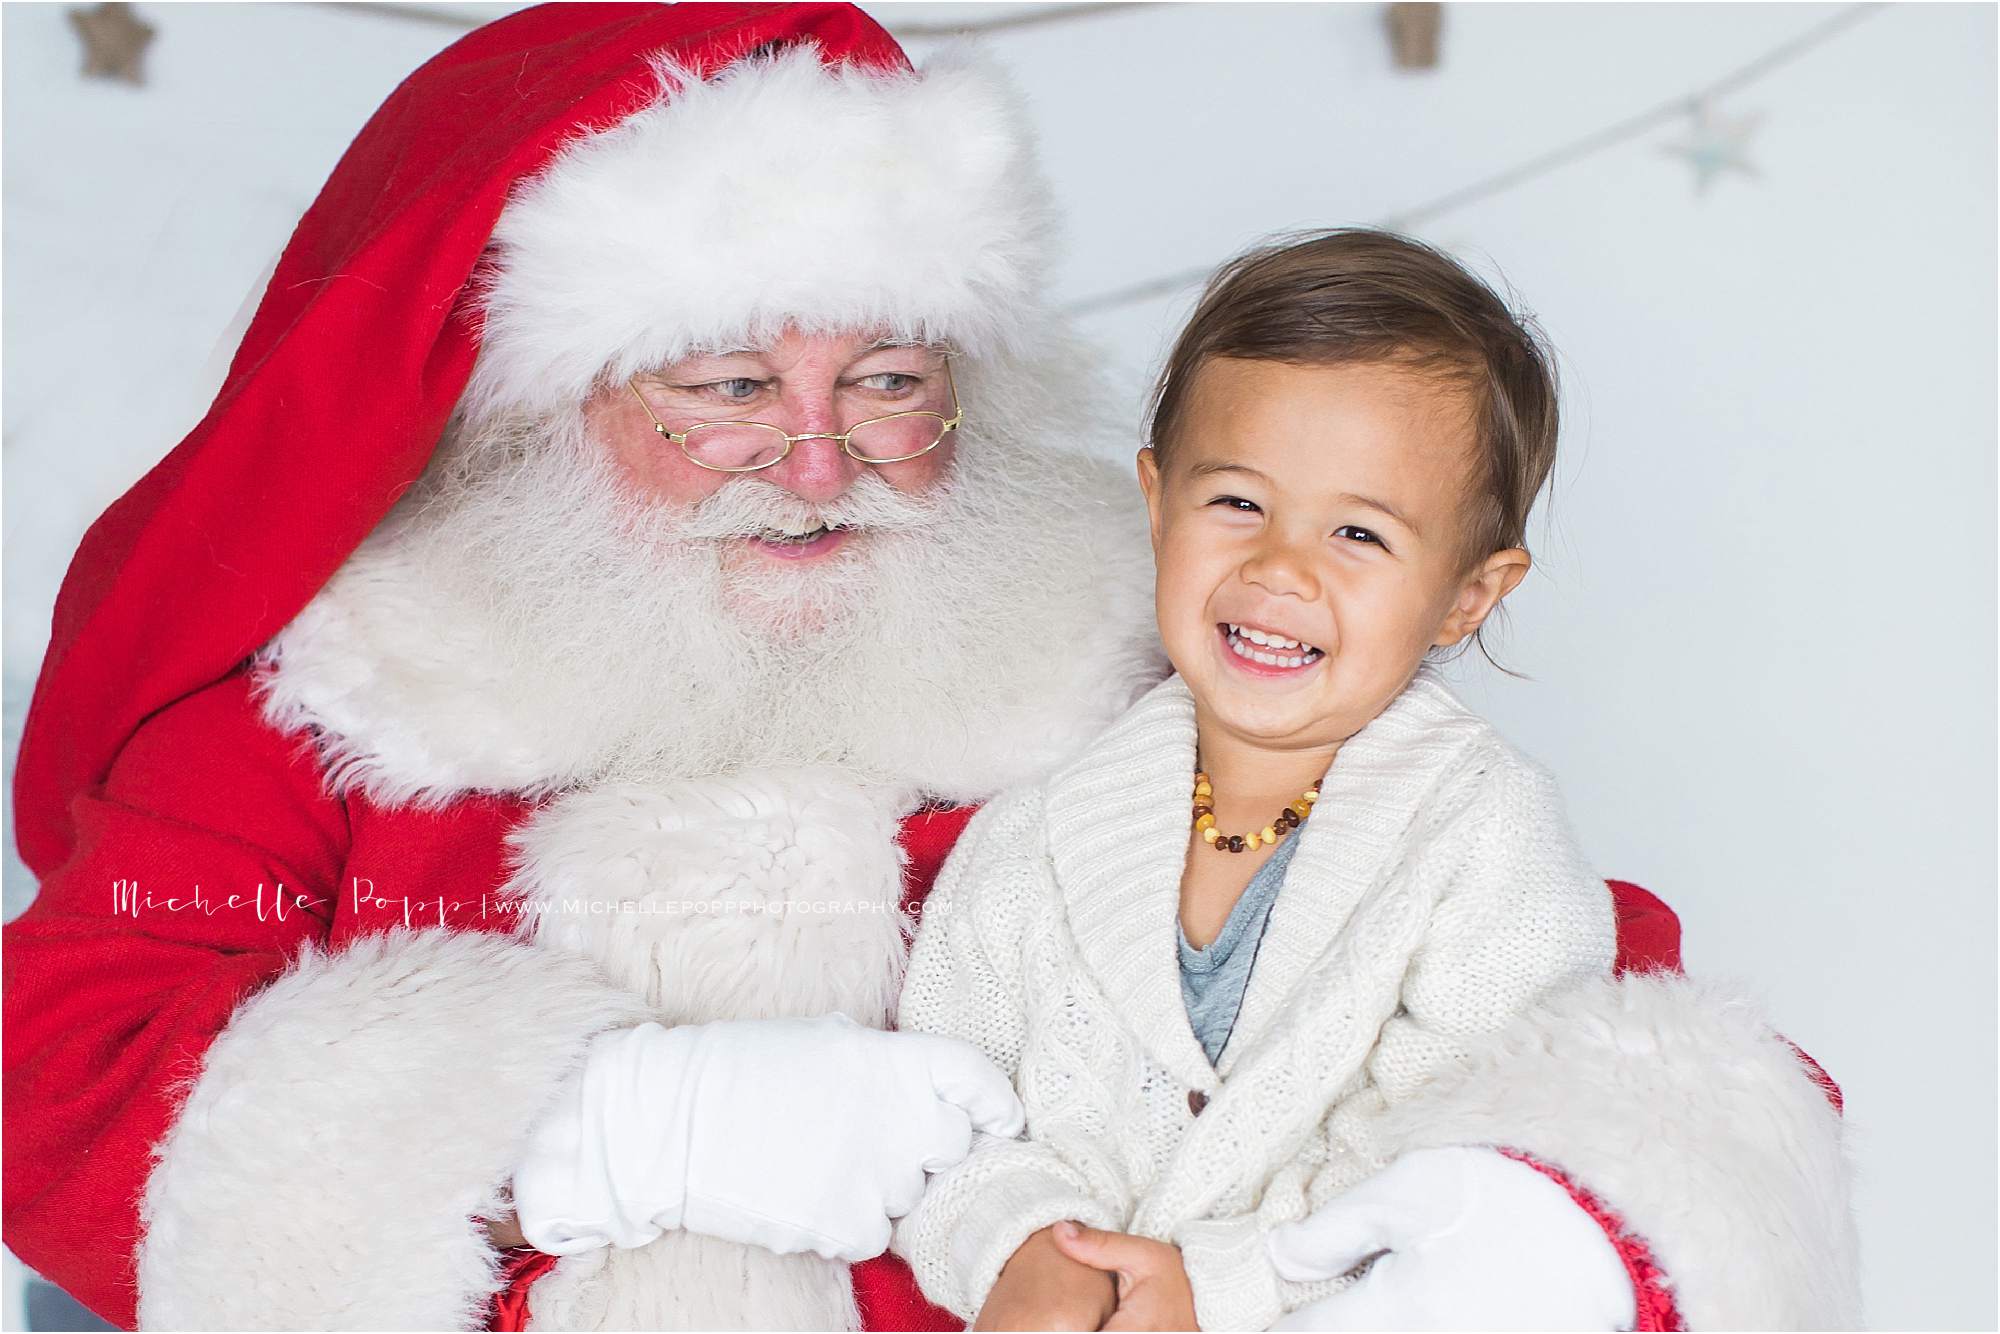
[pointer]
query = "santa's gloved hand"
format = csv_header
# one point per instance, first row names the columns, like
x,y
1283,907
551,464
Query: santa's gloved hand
x,y
789,1134
1473,1240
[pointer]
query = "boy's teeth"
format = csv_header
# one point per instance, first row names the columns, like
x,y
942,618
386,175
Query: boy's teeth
x,y
1267,639
1240,640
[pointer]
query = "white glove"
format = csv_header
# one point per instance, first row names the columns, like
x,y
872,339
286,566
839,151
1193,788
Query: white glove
x,y
789,1134
1474,1240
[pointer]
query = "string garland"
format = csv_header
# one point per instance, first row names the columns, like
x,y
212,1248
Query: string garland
x,y
1714,144
1697,105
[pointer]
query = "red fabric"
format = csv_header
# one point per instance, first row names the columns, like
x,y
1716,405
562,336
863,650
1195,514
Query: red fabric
x,y
518,1270
1652,1292
1819,1076
887,1293
1649,934
357,354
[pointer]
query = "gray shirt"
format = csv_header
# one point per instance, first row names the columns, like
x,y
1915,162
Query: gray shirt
x,y
1213,979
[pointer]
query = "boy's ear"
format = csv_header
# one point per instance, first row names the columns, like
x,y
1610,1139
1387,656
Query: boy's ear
x,y
1489,581
1149,482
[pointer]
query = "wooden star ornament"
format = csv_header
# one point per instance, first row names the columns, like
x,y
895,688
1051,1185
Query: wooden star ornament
x,y
114,42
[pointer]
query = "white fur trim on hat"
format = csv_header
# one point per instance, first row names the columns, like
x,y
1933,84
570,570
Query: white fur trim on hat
x,y
781,192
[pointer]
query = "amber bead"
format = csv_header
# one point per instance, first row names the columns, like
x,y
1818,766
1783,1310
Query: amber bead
x,y
1236,842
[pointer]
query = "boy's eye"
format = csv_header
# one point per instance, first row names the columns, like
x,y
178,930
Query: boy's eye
x,y
1237,503
1354,533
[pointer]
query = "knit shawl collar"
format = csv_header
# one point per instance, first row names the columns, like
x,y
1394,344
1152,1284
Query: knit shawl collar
x,y
1117,820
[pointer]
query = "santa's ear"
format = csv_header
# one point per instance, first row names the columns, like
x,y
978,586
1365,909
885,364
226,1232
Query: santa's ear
x,y
1480,592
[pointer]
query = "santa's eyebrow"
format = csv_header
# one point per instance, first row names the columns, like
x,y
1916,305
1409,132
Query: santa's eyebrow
x,y
926,345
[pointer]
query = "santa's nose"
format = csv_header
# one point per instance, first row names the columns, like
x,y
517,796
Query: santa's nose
x,y
816,470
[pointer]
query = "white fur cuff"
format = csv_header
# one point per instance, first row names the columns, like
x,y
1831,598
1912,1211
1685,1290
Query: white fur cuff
x,y
350,1123
1679,1108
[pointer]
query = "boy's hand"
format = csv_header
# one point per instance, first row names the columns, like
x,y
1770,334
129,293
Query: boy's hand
x,y
1041,1288
1153,1287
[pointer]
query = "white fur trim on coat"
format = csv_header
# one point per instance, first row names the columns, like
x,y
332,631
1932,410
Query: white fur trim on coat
x,y
1675,1104
780,191
349,1124
747,896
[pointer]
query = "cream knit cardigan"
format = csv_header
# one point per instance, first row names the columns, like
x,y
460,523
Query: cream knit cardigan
x,y
1437,890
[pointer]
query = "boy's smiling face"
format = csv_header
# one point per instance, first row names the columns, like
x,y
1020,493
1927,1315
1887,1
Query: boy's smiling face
x,y
1323,509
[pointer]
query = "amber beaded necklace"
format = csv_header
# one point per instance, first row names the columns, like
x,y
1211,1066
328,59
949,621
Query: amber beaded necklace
x,y
1288,819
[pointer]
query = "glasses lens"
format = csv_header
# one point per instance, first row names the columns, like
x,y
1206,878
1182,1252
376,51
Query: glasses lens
x,y
735,446
890,438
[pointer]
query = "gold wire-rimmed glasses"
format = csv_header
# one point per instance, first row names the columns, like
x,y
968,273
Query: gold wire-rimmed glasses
x,y
744,446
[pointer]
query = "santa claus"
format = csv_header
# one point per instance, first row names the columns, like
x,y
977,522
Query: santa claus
x,y
651,506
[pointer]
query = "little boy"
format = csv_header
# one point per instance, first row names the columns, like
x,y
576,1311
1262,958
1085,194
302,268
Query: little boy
x,y
1298,877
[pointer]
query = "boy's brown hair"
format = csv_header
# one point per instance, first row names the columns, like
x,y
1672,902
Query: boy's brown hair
x,y
1358,294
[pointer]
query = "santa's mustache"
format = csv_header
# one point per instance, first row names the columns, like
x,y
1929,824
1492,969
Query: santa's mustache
x,y
752,507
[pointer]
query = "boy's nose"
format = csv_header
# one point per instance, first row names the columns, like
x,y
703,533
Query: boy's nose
x,y
1283,571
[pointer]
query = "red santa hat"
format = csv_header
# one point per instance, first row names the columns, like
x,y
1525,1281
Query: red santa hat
x,y
573,192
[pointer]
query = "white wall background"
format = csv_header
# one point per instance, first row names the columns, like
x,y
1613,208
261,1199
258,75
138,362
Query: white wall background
x,y
1762,636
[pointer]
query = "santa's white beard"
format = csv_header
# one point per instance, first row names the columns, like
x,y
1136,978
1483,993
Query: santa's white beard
x,y
519,623
672,651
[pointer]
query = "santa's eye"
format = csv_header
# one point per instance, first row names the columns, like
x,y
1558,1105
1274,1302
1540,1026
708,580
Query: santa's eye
x,y
735,389
890,382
